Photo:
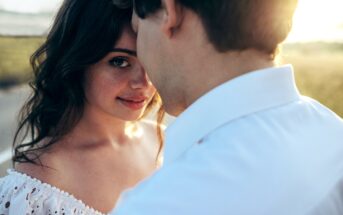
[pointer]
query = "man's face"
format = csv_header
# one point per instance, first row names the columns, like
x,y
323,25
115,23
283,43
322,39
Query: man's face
x,y
155,52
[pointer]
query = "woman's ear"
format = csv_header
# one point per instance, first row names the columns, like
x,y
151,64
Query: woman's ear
x,y
172,17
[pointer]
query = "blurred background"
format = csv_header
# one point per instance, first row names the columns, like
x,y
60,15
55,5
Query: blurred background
x,y
314,47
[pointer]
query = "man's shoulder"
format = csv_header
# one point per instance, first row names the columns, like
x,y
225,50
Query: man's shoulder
x,y
287,134
306,114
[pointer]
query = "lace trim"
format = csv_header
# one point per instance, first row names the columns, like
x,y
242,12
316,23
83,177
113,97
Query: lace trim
x,y
53,188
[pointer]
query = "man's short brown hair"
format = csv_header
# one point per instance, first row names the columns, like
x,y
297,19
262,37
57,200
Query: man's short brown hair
x,y
237,24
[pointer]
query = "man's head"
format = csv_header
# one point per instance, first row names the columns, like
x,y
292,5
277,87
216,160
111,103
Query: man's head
x,y
172,33
235,24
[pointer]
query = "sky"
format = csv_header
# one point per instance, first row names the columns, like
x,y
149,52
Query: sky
x,y
315,20
30,6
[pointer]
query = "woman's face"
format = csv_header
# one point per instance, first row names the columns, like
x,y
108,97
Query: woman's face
x,y
117,85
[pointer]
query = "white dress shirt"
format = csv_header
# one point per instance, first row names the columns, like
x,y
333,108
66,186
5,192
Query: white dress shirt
x,y
251,146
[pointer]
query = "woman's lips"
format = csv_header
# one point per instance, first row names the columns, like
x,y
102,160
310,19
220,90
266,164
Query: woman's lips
x,y
134,103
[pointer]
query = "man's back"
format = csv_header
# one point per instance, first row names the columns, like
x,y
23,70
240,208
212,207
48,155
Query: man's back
x,y
287,161
250,146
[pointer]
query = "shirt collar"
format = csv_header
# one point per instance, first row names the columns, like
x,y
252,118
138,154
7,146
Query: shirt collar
x,y
246,94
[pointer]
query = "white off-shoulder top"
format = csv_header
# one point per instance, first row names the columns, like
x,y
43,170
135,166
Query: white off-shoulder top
x,y
21,194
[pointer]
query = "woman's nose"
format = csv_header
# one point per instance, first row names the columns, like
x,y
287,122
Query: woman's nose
x,y
139,79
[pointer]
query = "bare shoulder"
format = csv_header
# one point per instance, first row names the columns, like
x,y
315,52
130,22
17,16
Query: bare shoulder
x,y
150,126
46,164
150,134
34,170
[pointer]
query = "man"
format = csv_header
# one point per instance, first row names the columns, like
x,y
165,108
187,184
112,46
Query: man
x,y
245,142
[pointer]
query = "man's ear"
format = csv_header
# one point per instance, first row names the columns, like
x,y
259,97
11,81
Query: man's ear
x,y
172,17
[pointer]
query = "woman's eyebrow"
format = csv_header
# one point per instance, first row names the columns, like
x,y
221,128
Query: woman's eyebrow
x,y
127,51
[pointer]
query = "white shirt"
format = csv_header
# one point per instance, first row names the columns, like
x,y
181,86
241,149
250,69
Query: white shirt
x,y
251,146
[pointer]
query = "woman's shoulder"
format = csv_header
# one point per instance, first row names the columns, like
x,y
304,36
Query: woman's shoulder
x,y
22,194
150,125
151,131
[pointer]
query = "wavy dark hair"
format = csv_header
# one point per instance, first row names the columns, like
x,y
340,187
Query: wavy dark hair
x,y
83,32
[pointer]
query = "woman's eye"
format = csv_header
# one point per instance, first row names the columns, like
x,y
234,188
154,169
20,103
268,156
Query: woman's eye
x,y
119,62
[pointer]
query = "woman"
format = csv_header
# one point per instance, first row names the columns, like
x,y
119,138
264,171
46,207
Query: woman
x,y
86,143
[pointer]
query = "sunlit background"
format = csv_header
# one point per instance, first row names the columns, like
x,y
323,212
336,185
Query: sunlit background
x,y
315,20
29,6
318,20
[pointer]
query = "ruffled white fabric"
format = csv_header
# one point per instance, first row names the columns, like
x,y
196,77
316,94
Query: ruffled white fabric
x,y
22,194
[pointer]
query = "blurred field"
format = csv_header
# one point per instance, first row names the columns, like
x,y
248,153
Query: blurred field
x,y
318,66
319,71
14,58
